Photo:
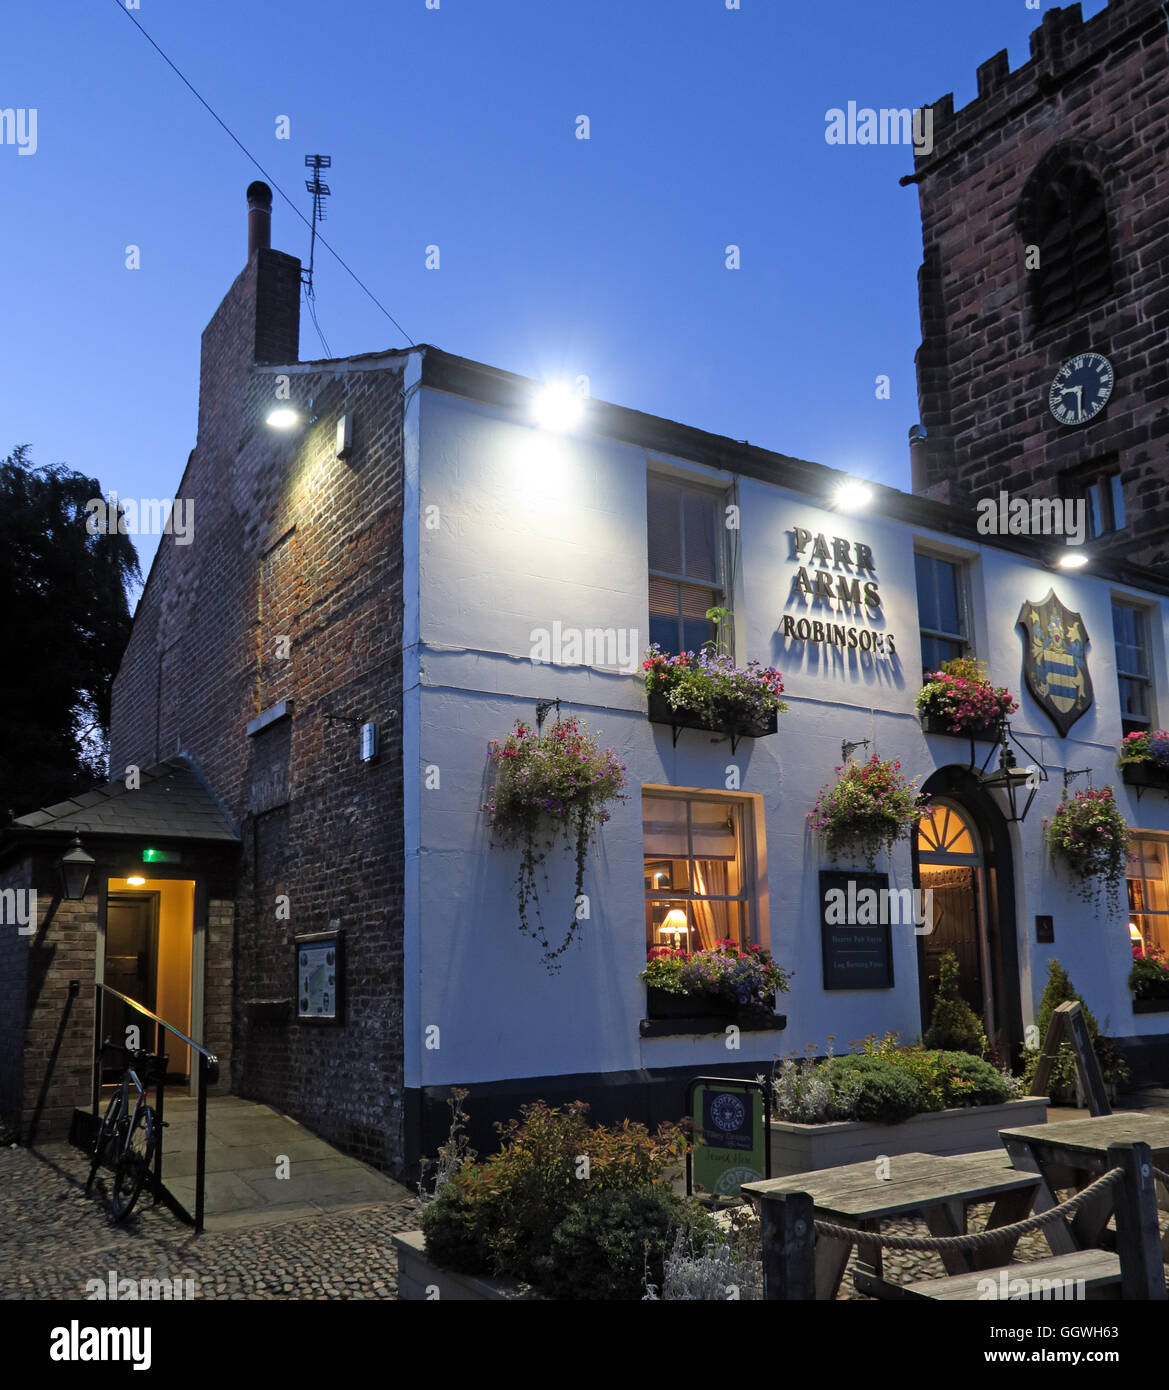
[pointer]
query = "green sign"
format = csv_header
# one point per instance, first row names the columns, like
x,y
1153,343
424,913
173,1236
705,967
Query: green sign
x,y
161,856
729,1136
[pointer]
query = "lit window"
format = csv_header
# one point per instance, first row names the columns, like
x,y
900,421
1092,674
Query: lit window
x,y
685,563
1130,628
699,871
941,611
1148,893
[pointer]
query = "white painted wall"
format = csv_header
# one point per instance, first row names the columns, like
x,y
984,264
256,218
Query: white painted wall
x,y
535,528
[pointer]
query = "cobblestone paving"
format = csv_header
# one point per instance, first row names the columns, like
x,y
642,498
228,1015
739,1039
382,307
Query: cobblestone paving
x,y
53,1239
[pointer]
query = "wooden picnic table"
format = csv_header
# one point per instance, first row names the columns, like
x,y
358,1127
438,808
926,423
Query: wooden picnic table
x,y
939,1188
1075,1153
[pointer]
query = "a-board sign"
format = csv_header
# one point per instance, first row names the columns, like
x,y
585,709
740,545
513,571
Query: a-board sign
x,y
730,1135
857,944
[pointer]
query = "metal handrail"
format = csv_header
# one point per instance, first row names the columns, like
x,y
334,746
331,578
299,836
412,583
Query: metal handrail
x,y
208,1076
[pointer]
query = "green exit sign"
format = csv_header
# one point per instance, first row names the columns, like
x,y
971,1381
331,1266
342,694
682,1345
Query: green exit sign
x,y
161,856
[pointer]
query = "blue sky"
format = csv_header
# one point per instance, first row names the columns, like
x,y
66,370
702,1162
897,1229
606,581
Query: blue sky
x,y
455,127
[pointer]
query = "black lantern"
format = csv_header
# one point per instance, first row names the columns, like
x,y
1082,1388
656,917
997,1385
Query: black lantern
x,y
76,867
1011,778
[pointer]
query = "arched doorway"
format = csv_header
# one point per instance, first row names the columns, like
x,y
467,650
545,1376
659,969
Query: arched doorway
x,y
962,852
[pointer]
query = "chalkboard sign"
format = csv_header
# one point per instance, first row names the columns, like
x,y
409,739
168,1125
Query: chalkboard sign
x,y
857,944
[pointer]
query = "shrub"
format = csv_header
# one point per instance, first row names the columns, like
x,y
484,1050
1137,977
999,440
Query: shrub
x,y
954,1026
1061,1085
713,1262
498,1217
971,1081
608,1245
887,1094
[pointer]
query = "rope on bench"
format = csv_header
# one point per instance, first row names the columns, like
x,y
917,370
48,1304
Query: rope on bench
x,y
977,1239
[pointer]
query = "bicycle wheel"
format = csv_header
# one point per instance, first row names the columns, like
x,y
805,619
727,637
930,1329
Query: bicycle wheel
x,y
134,1162
105,1133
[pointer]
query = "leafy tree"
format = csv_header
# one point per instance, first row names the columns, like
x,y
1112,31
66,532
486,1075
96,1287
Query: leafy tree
x,y
64,623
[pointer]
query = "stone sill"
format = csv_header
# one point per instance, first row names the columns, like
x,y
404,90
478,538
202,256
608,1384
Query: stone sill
x,y
281,710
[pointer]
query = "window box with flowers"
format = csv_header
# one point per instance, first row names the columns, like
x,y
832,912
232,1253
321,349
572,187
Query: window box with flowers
x,y
708,691
550,784
959,699
1144,759
1149,979
1090,836
868,808
701,991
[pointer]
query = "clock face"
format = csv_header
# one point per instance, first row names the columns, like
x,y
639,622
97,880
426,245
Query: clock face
x,y
1081,388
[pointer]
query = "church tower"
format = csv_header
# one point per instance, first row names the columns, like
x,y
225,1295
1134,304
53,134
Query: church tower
x,y
1044,289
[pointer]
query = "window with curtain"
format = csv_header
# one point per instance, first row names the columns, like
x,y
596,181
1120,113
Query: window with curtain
x,y
1148,893
685,563
941,610
699,871
1130,629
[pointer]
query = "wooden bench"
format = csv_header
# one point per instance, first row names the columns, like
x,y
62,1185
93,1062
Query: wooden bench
x,y
1057,1277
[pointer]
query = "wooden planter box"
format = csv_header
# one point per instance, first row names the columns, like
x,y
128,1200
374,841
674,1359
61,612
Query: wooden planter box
x,y
939,724
660,712
417,1274
1144,775
805,1148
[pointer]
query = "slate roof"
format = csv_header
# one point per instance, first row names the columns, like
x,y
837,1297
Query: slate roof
x,y
172,802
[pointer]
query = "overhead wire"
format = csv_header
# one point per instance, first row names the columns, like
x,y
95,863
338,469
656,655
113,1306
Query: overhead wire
x,y
267,176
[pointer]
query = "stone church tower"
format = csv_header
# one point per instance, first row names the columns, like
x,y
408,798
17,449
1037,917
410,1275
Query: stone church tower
x,y
1044,287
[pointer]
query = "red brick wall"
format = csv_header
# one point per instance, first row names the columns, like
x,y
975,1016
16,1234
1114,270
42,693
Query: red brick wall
x,y
290,542
983,371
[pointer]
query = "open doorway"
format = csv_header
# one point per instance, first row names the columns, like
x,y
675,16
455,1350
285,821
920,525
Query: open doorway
x,y
963,853
146,954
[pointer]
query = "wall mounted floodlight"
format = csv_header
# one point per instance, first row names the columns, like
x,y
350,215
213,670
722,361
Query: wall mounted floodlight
x,y
557,407
282,417
852,495
1072,560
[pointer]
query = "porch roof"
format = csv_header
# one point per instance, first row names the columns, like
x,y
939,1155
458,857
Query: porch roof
x,y
172,802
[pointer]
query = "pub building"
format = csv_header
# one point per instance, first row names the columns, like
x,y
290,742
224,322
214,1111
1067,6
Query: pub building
x,y
291,861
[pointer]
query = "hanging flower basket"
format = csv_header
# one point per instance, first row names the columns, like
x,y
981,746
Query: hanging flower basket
x,y
550,786
960,700
708,691
869,808
1090,836
1144,759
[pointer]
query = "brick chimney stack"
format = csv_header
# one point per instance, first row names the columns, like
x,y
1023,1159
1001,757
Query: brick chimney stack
x,y
258,322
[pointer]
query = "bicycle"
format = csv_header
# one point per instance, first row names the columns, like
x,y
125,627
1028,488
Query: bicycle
x,y
128,1138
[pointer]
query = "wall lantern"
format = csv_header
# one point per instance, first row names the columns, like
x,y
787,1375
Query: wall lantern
x,y
75,866
1011,778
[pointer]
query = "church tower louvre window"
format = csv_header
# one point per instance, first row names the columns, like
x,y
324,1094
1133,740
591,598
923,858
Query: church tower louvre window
x,y
1063,214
